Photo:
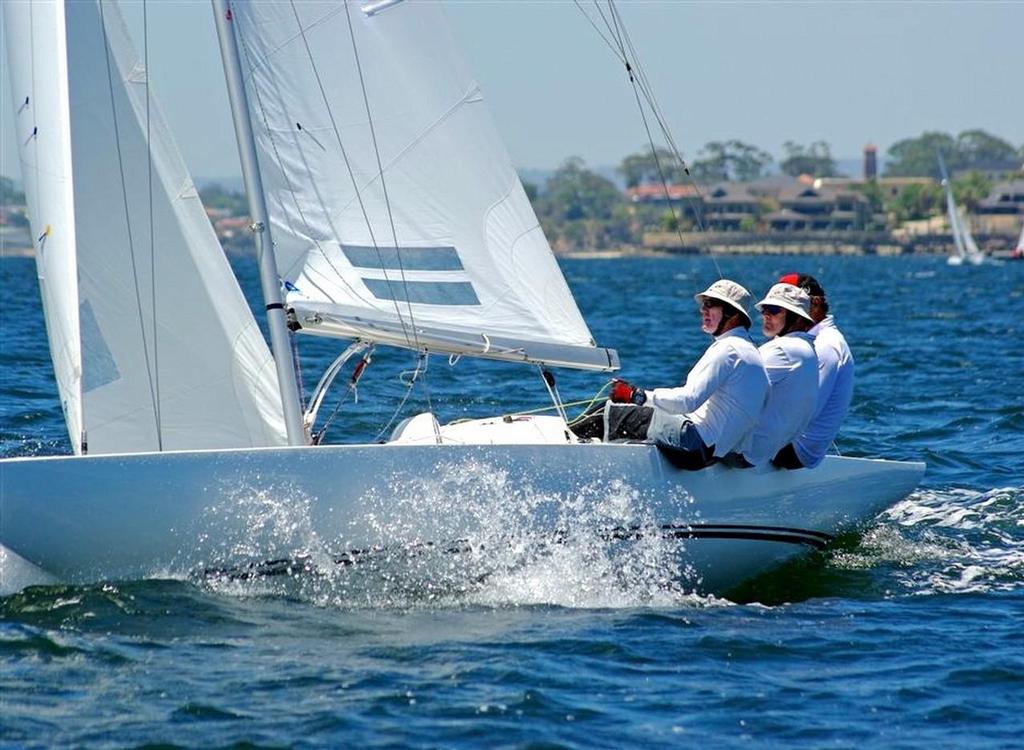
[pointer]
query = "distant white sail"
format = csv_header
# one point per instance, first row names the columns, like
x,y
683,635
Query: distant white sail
x,y
1020,241
156,347
438,235
955,225
966,247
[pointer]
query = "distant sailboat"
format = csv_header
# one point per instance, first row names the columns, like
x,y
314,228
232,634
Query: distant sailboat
x,y
398,220
966,248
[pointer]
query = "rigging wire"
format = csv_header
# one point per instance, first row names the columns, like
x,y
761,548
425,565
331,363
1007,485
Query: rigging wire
x,y
387,200
617,38
344,154
248,56
128,228
152,230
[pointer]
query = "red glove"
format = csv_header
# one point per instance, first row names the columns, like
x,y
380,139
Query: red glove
x,y
624,393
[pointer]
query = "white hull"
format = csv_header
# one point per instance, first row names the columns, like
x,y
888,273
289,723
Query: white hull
x,y
91,518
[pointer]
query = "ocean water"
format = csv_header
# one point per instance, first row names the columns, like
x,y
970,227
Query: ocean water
x,y
908,635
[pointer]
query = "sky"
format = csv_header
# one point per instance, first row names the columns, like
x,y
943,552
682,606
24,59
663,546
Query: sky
x,y
765,73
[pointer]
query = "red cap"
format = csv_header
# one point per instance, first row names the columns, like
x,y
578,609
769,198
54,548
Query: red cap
x,y
790,278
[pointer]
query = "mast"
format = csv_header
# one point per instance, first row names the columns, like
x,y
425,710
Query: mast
x,y
269,277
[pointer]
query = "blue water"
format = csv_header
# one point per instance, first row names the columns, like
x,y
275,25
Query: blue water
x,y
907,636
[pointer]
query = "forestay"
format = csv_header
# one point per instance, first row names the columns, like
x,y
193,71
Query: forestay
x,y
153,344
396,212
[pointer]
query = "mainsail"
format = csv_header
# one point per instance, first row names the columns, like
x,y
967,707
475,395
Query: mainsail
x,y
396,212
153,345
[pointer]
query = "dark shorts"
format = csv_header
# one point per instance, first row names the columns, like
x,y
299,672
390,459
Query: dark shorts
x,y
787,459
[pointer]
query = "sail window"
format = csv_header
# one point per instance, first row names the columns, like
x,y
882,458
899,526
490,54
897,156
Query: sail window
x,y
404,258
424,292
98,366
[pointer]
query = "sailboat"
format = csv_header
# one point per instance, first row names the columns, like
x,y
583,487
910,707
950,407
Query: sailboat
x,y
966,248
385,212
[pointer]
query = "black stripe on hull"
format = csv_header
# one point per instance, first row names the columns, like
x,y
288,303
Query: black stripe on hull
x,y
781,534
735,532
785,535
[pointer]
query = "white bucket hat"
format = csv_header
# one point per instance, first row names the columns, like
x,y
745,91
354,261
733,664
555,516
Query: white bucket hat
x,y
730,293
788,297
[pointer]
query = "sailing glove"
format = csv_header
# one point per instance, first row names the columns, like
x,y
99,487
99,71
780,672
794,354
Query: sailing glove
x,y
624,393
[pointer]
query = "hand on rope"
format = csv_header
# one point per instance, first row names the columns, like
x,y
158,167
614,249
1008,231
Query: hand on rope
x,y
624,393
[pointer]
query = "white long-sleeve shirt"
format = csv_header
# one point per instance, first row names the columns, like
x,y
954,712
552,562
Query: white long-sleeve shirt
x,y
792,368
724,392
835,391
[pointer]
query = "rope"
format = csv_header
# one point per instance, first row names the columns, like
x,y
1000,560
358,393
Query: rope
x,y
586,403
401,405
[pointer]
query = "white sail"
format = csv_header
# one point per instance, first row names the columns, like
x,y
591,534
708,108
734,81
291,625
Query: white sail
x,y
156,349
966,247
37,66
974,255
1020,241
398,217
955,226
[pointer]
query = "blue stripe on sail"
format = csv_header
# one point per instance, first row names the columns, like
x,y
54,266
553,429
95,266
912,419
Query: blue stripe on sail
x,y
98,366
424,292
407,258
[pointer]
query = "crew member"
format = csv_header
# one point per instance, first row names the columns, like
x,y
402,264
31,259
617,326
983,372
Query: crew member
x,y
701,421
792,369
835,382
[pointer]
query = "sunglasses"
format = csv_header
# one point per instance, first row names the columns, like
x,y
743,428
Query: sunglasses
x,y
710,304
771,309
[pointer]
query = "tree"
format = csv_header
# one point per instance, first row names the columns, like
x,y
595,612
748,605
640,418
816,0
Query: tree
x,y
918,201
721,161
873,193
815,160
9,195
648,167
977,149
574,192
972,149
217,197
917,157
972,188
531,191
580,209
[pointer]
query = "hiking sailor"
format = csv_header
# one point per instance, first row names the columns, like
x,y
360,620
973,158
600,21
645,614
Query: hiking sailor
x,y
704,419
835,382
792,369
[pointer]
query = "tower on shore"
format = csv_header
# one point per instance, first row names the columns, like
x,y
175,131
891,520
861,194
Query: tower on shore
x,y
870,162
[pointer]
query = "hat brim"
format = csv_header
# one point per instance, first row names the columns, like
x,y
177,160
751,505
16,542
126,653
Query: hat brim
x,y
785,306
719,298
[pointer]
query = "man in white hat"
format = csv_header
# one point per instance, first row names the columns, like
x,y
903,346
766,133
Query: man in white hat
x,y
792,368
835,382
701,421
